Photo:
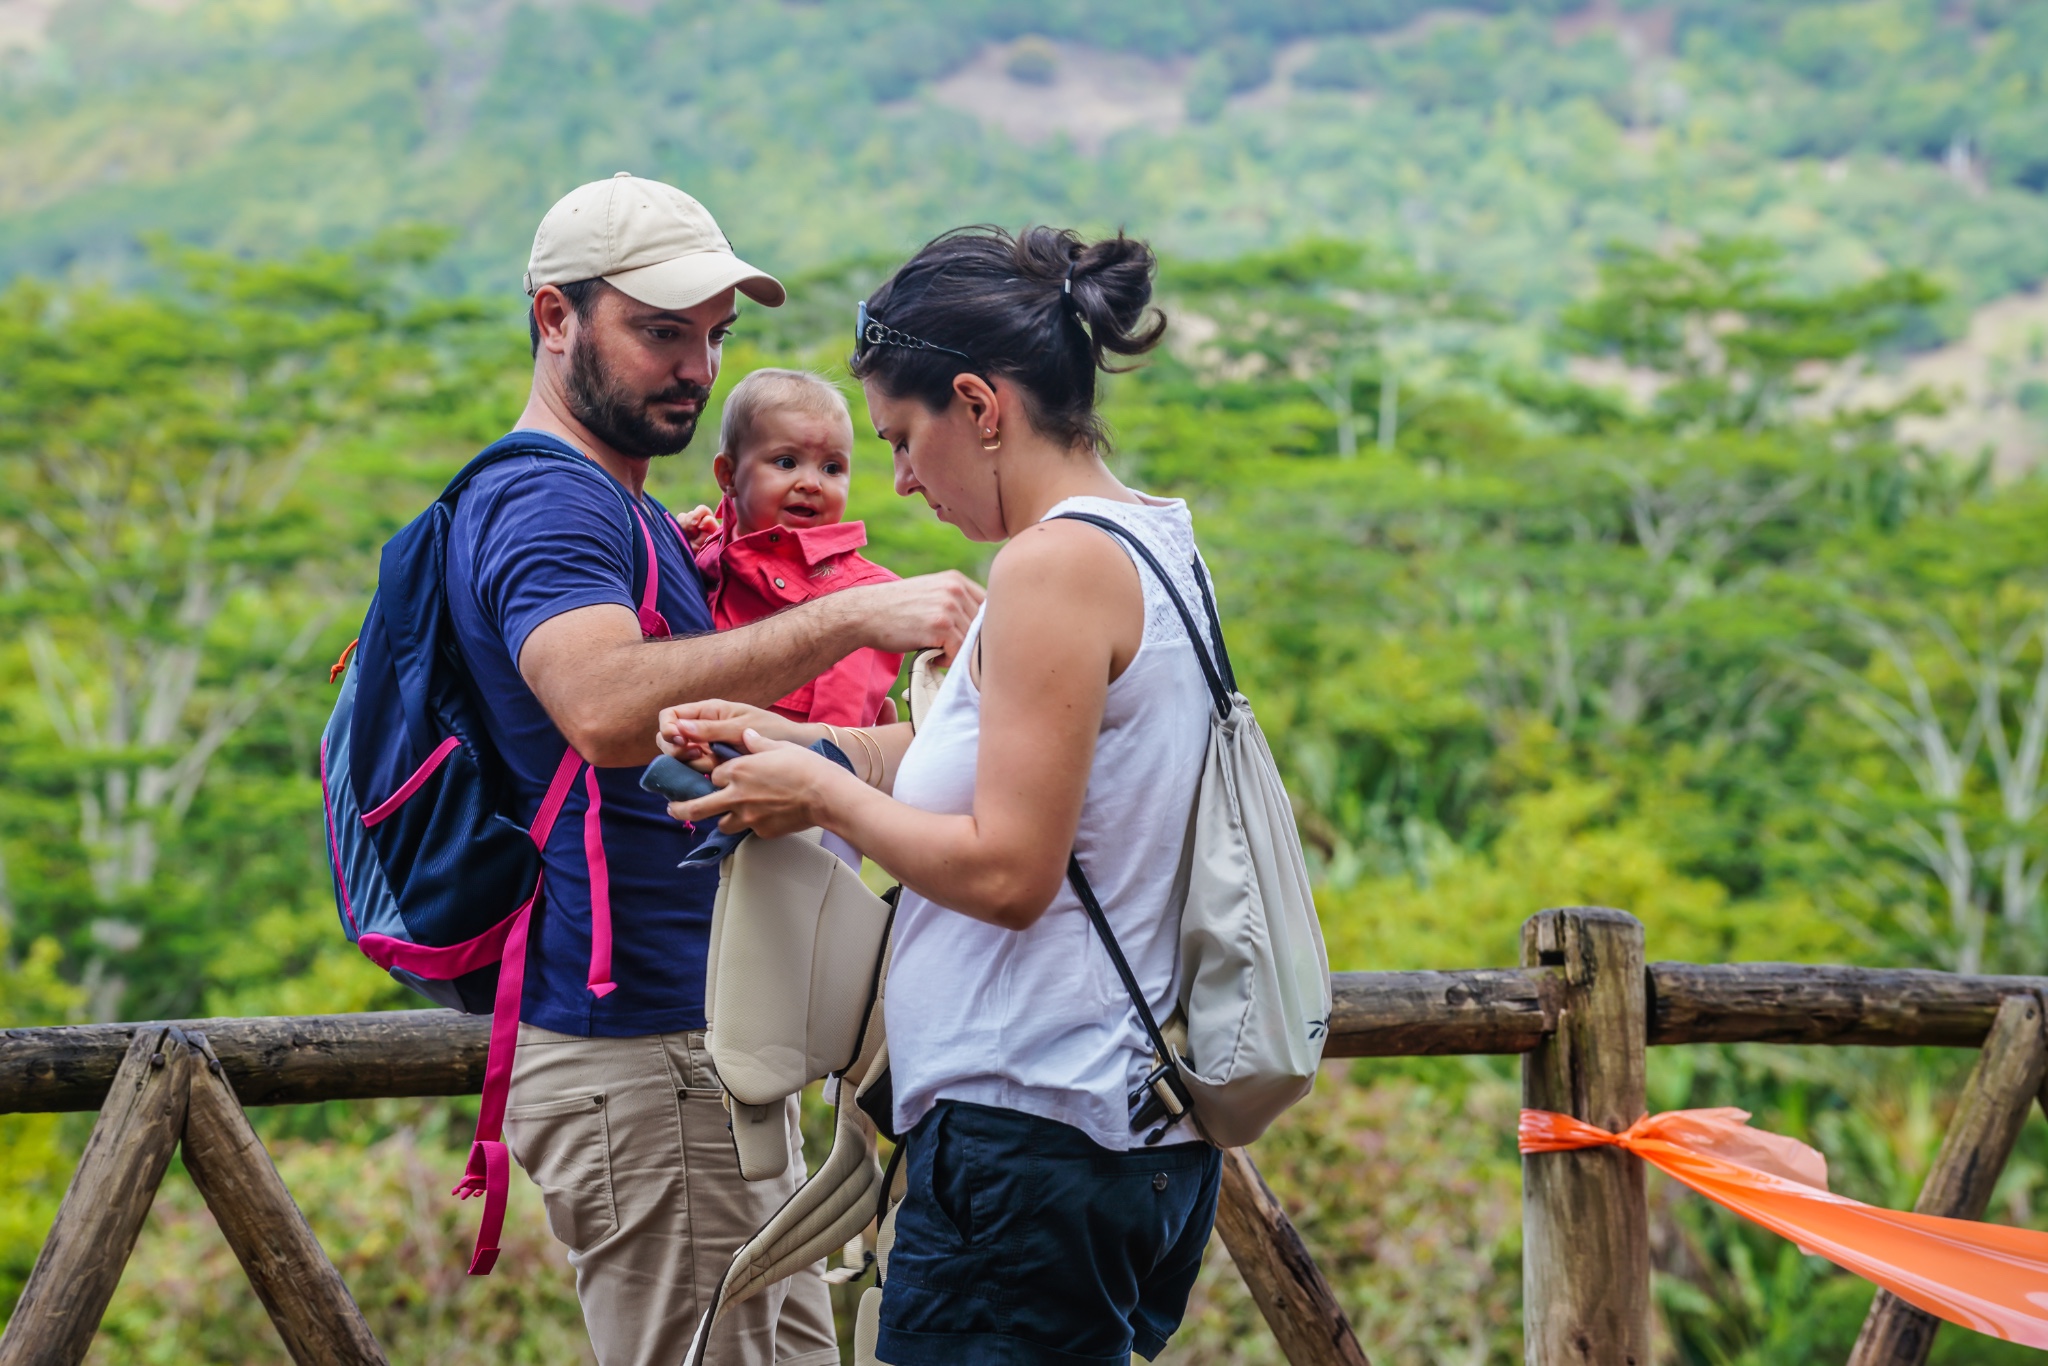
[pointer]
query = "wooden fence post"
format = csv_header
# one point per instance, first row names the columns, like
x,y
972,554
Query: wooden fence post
x,y
1585,1215
1284,1280
104,1206
314,1313
2001,1090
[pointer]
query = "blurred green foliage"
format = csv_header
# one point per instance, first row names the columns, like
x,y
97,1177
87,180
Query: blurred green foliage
x,y
1502,142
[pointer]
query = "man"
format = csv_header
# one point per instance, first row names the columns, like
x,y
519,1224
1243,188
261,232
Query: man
x,y
614,1107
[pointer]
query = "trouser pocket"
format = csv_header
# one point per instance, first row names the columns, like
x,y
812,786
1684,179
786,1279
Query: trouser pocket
x,y
945,1174
565,1146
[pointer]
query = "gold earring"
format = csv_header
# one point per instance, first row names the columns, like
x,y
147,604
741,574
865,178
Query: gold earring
x,y
991,441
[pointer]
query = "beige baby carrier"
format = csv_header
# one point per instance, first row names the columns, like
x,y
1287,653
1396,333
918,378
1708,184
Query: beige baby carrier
x,y
793,992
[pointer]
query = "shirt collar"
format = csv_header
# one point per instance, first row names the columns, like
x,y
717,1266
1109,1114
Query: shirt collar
x,y
814,543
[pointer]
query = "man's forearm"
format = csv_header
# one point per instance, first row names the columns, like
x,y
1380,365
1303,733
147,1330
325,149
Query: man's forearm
x,y
604,695
759,663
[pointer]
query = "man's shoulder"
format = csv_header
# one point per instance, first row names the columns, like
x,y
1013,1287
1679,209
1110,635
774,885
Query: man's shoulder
x,y
541,482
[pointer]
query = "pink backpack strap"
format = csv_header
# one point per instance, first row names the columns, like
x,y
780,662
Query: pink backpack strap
x,y
600,979
489,1172
652,622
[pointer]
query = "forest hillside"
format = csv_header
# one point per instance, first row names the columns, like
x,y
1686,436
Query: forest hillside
x,y
1615,429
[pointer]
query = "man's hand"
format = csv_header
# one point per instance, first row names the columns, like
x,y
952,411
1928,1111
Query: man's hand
x,y
932,610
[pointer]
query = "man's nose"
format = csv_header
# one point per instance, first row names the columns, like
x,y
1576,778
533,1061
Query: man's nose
x,y
699,363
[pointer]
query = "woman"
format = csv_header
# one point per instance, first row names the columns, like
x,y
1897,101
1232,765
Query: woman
x,y
1038,1227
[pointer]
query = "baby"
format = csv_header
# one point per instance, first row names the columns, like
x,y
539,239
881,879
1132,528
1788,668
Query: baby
x,y
784,465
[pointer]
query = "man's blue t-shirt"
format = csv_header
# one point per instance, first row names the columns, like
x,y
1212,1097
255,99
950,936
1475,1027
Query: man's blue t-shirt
x,y
533,539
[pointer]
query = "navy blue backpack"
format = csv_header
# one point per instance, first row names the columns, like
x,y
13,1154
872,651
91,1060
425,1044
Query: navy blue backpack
x,y
436,873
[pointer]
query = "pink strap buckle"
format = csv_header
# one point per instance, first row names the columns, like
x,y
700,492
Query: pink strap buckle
x,y
489,1174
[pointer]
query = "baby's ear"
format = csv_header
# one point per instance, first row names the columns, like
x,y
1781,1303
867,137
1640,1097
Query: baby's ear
x,y
721,472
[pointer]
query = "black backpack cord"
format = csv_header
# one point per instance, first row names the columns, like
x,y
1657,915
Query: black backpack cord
x,y
1079,881
1222,685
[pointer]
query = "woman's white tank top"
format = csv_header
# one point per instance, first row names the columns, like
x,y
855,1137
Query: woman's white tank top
x,y
1037,1020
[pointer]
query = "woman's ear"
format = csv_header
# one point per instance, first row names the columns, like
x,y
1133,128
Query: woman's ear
x,y
722,471
984,407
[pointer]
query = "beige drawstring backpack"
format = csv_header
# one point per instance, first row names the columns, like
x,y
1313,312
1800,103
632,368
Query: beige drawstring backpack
x,y
1254,1004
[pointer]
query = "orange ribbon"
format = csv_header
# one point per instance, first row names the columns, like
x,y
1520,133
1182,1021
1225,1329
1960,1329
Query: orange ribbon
x,y
1986,1277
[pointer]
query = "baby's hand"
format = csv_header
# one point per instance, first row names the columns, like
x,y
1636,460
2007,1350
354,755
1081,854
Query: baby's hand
x,y
699,527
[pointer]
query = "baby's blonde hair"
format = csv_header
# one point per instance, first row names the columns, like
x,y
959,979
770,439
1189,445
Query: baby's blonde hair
x,y
772,388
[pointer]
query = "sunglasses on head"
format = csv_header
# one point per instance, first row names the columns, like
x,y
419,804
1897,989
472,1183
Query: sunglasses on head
x,y
871,331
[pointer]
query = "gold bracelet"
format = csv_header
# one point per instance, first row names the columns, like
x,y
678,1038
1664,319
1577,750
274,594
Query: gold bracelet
x,y
874,747
832,733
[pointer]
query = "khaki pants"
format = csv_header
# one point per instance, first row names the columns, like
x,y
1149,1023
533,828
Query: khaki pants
x,y
627,1140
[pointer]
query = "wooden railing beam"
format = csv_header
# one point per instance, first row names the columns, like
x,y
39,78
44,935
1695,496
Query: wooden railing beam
x,y
270,1060
1421,1014
291,1060
1285,1282
110,1193
1803,1004
304,1294
1980,1137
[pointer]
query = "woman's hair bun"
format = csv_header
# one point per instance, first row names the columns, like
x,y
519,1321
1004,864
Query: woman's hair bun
x,y
1111,286
1045,309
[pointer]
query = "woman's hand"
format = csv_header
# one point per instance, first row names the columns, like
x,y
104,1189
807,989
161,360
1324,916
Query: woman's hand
x,y
776,788
688,731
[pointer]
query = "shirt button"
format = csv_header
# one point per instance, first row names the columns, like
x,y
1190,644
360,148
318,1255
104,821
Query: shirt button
x,y
774,536
780,584
1159,1182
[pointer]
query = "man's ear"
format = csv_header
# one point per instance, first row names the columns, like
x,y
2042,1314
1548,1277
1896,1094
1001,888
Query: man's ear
x,y
722,471
551,314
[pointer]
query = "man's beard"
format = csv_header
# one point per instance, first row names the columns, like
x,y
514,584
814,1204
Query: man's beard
x,y
624,421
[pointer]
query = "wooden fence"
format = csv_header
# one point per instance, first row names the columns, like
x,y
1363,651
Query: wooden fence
x,y
1580,1010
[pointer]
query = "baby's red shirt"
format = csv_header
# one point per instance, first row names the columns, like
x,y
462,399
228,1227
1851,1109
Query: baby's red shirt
x,y
750,577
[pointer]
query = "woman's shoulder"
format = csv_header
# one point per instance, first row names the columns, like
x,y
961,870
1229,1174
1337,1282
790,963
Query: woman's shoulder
x,y
1055,549
1141,513
1163,525
1066,569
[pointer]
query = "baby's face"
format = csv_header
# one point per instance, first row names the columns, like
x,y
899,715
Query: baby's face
x,y
794,471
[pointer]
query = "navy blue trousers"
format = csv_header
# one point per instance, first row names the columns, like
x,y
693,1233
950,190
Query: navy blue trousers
x,y
1021,1242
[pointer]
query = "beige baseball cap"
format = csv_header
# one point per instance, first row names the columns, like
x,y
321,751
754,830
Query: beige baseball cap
x,y
646,239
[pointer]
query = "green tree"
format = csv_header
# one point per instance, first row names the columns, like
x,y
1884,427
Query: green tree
x,y
1327,314
160,561
1731,344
